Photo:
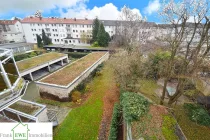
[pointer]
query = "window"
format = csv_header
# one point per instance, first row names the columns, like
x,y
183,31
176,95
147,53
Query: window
x,y
74,41
53,30
38,24
56,34
52,24
56,30
32,29
77,35
74,31
58,40
55,40
69,41
34,39
83,26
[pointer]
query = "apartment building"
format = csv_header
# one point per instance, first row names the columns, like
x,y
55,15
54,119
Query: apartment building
x,y
11,31
62,30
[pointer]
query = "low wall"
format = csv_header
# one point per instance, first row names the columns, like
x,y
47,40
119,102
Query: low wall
x,y
61,93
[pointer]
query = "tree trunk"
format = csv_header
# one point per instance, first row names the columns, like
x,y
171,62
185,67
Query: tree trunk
x,y
164,91
178,93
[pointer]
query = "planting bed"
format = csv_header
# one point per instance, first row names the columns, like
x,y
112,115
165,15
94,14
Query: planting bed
x,y
25,107
36,61
192,130
157,124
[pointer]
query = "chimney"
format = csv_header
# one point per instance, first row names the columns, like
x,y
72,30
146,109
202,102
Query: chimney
x,y
64,17
75,19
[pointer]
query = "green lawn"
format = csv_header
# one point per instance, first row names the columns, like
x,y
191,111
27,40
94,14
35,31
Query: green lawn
x,y
83,123
191,130
147,88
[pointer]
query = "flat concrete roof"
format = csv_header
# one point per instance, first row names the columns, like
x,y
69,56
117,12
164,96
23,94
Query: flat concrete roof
x,y
14,45
38,60
66,75
76,47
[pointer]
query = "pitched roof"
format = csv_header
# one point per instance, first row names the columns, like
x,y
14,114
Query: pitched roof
x,y
53,20
8,22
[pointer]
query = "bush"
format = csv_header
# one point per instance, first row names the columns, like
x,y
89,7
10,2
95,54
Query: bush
x,y
82,86
76,55
95,44
169,127
134,106
75,96
114,123
198,114
27,55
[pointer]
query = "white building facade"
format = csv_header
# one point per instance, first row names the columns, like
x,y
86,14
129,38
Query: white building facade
x,y
11,31
62,30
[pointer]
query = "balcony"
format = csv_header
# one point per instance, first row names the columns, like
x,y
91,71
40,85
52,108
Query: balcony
x,y
12,86
47,30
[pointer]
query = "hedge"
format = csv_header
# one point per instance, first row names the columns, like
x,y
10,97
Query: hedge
x,y
27,55
198,114
76,55
134,106
114,123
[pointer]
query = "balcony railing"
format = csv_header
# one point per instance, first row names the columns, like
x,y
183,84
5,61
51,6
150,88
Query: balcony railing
x,y
10,96
12,86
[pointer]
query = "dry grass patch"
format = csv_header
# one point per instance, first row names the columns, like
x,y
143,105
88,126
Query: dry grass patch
x,y
35,61
72,71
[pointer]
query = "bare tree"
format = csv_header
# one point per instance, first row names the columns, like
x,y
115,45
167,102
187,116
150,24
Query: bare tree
x,y
193,38
1,35
127,32
85,37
